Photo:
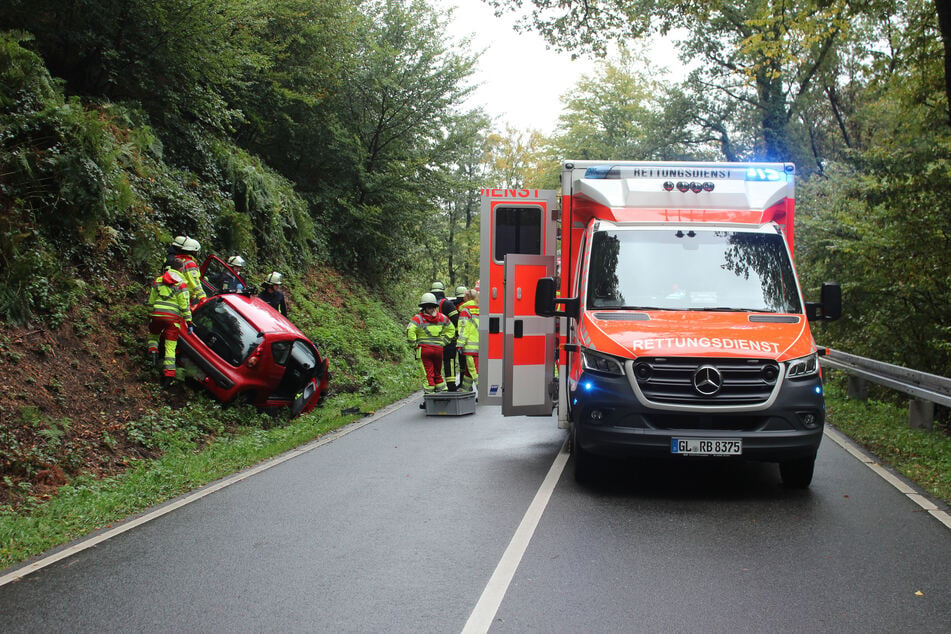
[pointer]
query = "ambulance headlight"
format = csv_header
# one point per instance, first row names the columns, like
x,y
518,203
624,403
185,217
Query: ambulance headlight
x,y
600,362
802,367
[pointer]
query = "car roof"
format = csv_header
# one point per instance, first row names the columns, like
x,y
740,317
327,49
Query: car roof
x,y
261,315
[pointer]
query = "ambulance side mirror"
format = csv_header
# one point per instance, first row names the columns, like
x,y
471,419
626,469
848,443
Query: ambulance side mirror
x,y
830,305
546,301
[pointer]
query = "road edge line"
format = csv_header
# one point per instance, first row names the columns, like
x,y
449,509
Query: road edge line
x,y
483,614
188,498
915,495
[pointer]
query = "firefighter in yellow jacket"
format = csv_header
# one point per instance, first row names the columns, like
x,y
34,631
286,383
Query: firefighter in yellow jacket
x,y
429,331
171,312
468,341
185,250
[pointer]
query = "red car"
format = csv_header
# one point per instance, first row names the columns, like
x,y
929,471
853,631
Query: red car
x,y
244,349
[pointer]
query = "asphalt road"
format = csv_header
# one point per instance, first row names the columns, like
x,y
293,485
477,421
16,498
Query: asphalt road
x,y
399,526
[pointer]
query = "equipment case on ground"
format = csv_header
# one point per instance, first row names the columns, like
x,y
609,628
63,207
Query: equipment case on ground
x,y
450,403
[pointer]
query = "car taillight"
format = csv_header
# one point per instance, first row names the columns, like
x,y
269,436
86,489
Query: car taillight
x,y
254,358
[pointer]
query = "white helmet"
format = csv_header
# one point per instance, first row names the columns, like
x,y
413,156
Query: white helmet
x,y
437,286
460,291
179,242
274,278
427,299
191,246
236,261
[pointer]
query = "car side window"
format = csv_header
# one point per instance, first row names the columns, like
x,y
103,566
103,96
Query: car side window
x,y
280,350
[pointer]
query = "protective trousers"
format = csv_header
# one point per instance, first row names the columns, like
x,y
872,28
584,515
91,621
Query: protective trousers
x,y
449,364
470,371
169,328
430,358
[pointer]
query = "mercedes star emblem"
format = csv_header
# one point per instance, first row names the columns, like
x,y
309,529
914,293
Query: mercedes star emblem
x,y
707,380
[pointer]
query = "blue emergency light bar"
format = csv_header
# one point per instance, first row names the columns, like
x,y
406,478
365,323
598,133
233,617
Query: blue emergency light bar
x,y
602,171
703,172
763,174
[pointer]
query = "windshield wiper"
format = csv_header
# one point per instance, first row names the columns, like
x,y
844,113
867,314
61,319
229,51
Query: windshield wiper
x,y
732,309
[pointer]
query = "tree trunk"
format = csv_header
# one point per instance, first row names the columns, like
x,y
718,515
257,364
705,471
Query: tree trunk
x,y
944,23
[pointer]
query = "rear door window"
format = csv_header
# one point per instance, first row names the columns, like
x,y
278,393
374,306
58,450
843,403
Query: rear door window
x,y
225,331
300,366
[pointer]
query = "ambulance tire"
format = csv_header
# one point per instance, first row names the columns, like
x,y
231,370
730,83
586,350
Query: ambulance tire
x,y
797,474
584,462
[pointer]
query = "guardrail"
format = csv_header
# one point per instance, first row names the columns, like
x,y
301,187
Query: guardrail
x,y
925,389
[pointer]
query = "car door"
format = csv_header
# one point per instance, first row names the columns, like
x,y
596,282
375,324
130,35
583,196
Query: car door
x,y
217,277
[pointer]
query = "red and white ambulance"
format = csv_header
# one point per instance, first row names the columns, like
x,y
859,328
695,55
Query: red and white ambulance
x,y
657,306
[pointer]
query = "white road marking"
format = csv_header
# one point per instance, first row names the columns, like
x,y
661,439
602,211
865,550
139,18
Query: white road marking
x,y
911,493
480,620
98,538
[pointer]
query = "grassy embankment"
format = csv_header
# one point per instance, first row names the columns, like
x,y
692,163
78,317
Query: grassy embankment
x,y
203,441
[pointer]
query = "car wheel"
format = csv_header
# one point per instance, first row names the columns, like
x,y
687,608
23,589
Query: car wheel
x,y
797,474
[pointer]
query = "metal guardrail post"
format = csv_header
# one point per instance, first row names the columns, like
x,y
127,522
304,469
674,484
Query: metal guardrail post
x,y
925,389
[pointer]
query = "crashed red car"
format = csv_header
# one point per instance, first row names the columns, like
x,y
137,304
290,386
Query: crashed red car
x,y
242,349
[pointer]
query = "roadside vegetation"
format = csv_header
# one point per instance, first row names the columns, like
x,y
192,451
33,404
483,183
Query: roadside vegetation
x,y
881,426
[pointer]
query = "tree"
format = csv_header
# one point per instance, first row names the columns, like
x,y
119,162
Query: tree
x,y
762,55
618,114
380,181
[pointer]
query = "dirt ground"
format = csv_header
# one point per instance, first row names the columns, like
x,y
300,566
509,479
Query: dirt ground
x,y
64,400
66,394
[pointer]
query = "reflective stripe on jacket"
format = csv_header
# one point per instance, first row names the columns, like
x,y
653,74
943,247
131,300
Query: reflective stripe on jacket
x,y
192,277
469,327
168,300
432,331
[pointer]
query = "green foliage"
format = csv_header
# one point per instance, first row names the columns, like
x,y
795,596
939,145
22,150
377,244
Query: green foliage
x,y
364,342
269,216
883,229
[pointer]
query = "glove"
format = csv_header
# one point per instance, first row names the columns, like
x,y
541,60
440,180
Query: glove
x,y
191,329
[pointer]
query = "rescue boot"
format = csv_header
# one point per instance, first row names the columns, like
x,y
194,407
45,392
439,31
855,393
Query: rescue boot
x,y
167,380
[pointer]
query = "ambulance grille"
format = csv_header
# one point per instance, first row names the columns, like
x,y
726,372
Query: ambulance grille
x,y
706,381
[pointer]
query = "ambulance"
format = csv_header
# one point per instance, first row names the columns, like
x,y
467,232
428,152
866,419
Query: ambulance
x,y
656,307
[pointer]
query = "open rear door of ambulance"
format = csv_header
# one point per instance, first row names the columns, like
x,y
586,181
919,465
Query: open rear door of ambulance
x,y
513,221
528,351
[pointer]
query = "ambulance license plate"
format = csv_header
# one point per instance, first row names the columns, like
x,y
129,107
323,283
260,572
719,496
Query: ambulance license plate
x,y
706,446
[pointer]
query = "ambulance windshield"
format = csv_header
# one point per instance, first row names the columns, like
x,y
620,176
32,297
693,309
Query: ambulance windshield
x,y
691,269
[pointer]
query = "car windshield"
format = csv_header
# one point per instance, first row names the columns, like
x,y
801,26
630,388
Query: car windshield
x,y
225,331
681,269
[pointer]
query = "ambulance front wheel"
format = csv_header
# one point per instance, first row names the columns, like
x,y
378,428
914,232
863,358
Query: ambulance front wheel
x,y
583,460
797,474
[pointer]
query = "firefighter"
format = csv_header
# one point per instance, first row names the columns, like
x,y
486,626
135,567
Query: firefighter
x,y
272,292
228,282
459,300
468,341
171,312
448,308
429,331
186,250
